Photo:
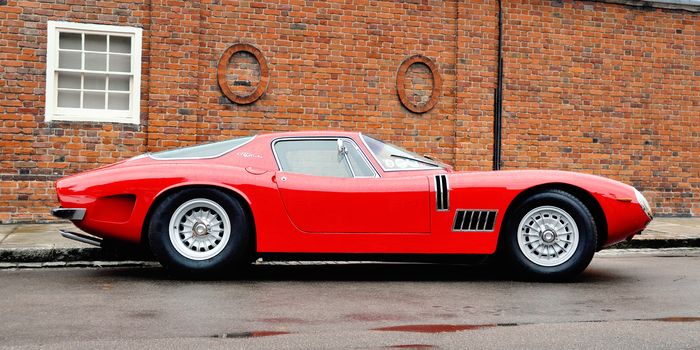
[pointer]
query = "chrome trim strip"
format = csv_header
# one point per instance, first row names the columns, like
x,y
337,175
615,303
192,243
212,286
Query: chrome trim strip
x,y
437,167
152,156
437,192
96,241
75,214
447,192
347,157
324,138
457,219
144,155
442,193
471,216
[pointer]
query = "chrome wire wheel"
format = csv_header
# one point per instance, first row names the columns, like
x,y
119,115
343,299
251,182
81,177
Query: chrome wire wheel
x,y
548,236
199,229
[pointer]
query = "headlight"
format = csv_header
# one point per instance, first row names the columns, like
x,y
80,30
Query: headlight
x,y
643,203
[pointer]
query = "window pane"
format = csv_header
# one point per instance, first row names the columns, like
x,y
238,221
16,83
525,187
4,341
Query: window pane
x,y
202,151
119,82
95,82
69,80
69,60
395,158
120,63
120,44
359,165
118,101
95,42
312,157
69,99
71,41
94,100
95,61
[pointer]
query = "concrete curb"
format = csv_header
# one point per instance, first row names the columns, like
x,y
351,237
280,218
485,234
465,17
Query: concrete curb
x,y
658,243
41,255
58,264
63,255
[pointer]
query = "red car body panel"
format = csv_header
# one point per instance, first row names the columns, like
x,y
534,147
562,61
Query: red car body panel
x,y
295,213
356,205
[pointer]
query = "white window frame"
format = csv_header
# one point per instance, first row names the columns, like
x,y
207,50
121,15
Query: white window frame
x,y
54,113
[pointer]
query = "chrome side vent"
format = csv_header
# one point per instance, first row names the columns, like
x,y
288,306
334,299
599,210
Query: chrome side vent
x,y
442,193
474,220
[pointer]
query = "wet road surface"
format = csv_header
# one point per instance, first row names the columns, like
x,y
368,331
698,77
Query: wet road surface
x,y
627,300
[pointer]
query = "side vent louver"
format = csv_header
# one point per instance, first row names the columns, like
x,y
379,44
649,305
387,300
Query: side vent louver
x,y
442,193
474,220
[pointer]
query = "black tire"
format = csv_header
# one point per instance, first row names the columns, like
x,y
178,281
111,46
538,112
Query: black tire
x,y
582,255
235,251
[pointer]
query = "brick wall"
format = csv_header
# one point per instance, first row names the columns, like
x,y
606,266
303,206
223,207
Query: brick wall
x,y
606,89
583,80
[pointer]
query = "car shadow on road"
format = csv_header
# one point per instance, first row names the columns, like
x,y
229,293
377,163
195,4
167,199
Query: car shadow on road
x,y
369,272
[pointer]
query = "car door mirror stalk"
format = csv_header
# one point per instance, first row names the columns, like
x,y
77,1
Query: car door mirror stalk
x,y
342,150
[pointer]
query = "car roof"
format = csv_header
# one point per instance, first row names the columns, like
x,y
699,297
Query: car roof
x,y
312,133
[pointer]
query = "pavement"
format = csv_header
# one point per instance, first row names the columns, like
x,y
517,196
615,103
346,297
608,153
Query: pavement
x,y
40,245
624,300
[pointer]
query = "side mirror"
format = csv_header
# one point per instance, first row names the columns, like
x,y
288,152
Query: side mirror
x,y
341,147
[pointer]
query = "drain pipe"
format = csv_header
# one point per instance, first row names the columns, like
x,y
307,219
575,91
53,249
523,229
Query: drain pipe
x,y
498,95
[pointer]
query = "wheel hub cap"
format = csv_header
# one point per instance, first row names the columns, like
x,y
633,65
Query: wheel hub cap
x,y
548,236
200,229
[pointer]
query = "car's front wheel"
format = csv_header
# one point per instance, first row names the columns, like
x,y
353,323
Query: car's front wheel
x,y
199,230
550,236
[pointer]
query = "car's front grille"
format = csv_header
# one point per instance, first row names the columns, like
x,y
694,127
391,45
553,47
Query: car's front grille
x,y
474,220
442,193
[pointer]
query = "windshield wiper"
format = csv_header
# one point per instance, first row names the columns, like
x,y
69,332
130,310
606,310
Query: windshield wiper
x,y
415,159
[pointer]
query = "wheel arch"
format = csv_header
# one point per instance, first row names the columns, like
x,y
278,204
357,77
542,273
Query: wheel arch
x,y
235,193
581,194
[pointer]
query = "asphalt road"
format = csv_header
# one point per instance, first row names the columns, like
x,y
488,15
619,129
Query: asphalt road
x,y
622,301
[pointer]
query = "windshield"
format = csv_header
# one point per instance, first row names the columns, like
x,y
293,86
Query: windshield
x,y
208,150
394,158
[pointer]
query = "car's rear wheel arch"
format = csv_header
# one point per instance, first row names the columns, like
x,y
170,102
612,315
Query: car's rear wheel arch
x,y
165,194
582,195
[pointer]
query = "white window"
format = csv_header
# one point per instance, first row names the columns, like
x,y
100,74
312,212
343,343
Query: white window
x,y
93,72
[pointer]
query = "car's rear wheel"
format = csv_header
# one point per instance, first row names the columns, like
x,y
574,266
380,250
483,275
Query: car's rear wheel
x,y
199,230
550,236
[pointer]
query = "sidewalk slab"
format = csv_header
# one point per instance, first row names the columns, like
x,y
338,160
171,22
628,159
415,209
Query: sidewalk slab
x,y
40,243
41,236
672,228
5,230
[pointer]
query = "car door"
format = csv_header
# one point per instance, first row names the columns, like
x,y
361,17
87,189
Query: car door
x,y
327,185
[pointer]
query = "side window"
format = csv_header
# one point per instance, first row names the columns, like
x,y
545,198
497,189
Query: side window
x,y
358,161
322,158
312,157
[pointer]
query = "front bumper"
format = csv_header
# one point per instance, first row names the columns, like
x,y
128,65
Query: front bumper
x,y
74,214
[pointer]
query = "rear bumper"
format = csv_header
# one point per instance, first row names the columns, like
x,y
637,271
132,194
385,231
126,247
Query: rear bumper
x,y
74,214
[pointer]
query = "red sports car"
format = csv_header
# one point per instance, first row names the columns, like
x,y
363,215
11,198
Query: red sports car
x,y
343,195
